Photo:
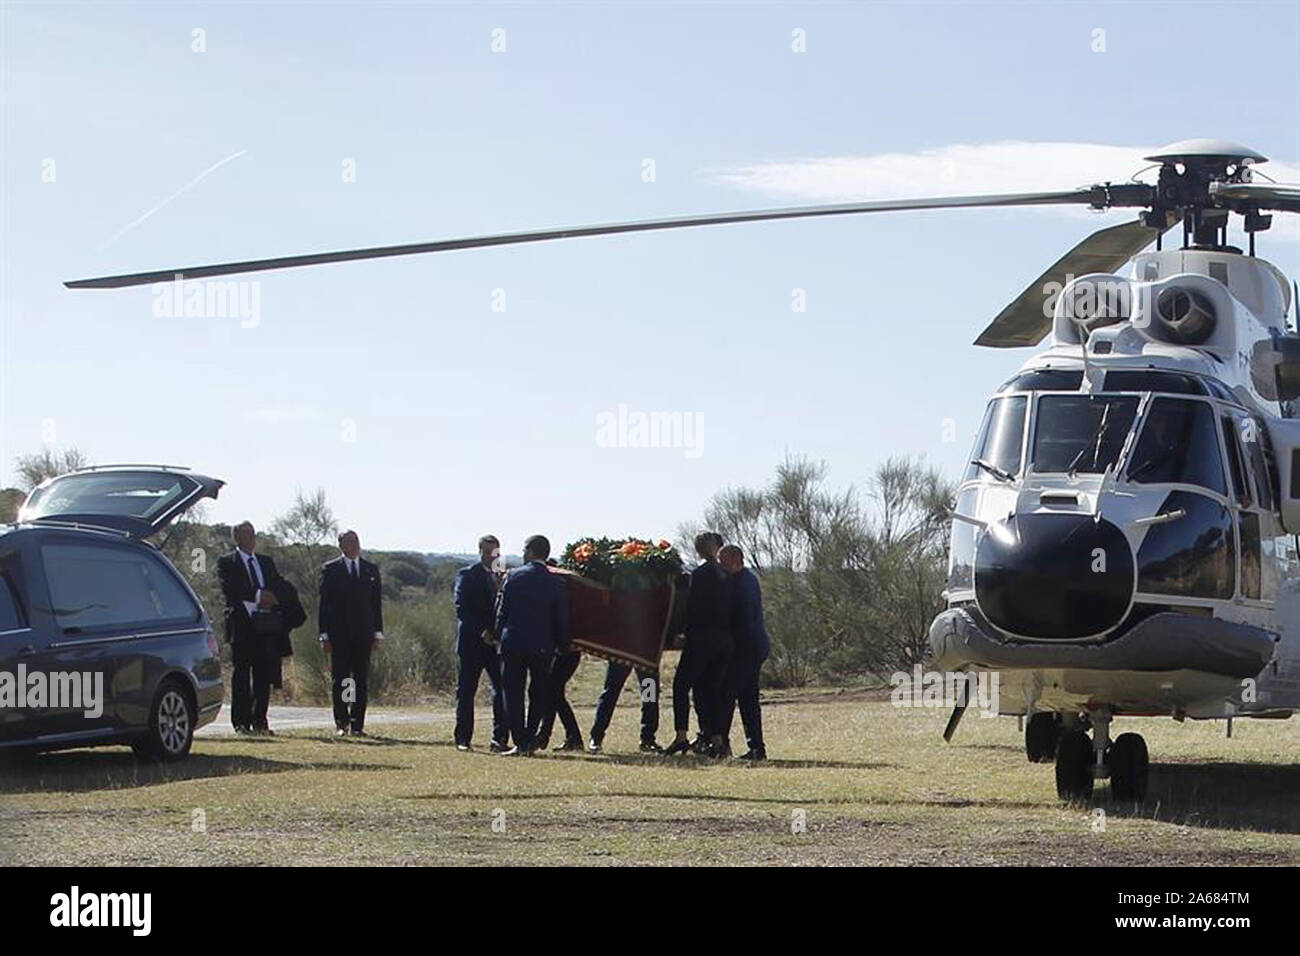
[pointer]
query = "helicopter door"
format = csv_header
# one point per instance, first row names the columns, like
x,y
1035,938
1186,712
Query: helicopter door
x,y
1246,519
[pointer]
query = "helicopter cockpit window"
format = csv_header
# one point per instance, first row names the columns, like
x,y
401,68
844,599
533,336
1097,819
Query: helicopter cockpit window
x,y
1000,438
1081,433
1236,468
1178,444
1045,380
1143,380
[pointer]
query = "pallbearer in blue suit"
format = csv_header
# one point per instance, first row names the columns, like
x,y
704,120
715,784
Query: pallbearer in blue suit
x,y
750,649
533,621
476,599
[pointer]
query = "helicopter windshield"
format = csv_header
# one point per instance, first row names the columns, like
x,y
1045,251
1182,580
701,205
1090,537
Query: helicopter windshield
x,y
1178,445
1081,433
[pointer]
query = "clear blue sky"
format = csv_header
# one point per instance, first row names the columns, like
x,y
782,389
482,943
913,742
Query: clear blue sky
x,y
469,420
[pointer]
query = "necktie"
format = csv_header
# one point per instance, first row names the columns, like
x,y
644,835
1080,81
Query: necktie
x,y
253,575
352,569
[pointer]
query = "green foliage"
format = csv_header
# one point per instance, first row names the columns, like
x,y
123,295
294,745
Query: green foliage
x,y
34,468
850,581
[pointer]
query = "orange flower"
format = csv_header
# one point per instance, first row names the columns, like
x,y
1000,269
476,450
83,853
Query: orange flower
x,y
664,545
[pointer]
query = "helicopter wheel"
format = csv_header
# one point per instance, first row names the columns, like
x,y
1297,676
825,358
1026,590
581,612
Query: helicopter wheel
x,y
1041,735
1128,763
1074,758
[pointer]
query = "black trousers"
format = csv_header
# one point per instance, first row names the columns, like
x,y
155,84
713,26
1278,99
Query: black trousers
x,y
615,677
350,658
250,686
562,668
517,671
475,659
742,689
703,669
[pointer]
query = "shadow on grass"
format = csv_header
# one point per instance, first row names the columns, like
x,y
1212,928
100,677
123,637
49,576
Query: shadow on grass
x,y
81,771
1219,796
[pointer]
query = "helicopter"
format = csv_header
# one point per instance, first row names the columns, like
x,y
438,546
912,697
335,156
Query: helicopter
x,y
1124,538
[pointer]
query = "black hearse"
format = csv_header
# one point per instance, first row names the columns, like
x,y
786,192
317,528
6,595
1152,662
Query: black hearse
x,y
86,600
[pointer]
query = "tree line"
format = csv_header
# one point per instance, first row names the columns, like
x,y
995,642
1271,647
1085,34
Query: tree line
x,y
851,578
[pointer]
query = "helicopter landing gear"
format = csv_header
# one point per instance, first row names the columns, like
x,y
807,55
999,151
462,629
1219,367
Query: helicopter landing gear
x,y
1127,759
1074,762
1041,735
1081,760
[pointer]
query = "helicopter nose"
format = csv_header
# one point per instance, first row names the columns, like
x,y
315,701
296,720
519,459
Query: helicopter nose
x,y
1054,576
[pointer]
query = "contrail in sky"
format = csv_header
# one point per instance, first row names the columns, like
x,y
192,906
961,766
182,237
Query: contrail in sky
x,y
186,188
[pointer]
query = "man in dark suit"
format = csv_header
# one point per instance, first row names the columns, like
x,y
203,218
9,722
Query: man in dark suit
x,y
533,621
752,646
647,683
703,664
351,626
248,582
475,599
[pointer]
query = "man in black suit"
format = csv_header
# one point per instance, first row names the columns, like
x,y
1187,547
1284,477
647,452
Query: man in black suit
x,y
248,582
475,597
351,626
702,668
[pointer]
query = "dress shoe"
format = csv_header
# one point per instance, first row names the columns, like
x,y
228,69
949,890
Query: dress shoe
x,y
341,732
517,752
498,747
571,743
700,744
720,751
677,747
358,732
265,732
754,755
593,746
243,731
650,747
463,748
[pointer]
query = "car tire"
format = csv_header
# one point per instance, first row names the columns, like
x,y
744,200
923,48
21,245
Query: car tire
x,y
171,724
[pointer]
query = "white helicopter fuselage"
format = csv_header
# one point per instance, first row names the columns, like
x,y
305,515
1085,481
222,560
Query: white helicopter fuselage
x,y
1124,538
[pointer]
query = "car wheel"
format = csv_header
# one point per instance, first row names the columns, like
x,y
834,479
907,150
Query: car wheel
x,y
171,724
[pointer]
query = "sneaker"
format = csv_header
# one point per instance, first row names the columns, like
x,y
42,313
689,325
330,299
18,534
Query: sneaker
x,y
593,745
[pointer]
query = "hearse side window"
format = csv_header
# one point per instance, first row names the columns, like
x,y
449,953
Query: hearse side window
x,y
1045,380
112,585
1178,445
1143,380
11,611
1000,436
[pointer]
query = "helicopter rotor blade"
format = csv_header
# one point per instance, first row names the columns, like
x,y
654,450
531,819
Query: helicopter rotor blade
x,y
1097,196
1027,319
1275,196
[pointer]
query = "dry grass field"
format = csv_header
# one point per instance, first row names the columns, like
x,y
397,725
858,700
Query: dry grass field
x,y
873,784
